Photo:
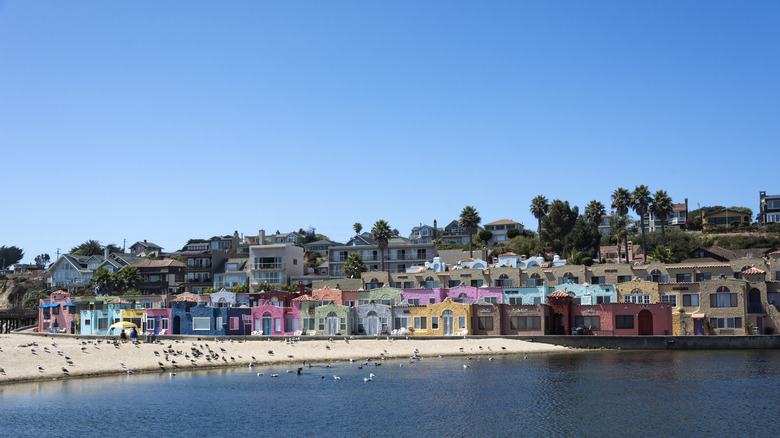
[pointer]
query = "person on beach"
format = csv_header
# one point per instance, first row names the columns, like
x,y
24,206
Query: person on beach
x,y
134,335
123,336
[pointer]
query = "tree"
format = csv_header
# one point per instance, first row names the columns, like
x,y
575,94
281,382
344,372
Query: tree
x,y
594,212
662,207
539,208
583,239
129,277
354,266
619,231
485,236
10,255
382,233
42,260
88,248
640,203
621,202
32,298
661,254
512,233
558,224
469,221
358,227
104,281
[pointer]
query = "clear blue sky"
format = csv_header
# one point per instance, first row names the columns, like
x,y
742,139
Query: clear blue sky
x,y
187,119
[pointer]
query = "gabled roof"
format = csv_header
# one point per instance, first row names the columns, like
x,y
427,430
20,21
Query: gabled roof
x,y
558,294
159,263
323,242
753,270
146,244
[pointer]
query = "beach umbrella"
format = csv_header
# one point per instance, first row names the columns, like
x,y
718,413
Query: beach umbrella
x,y
116,328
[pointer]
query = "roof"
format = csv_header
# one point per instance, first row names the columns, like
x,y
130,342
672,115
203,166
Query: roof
x,y
146,244
181,299
559,294
678,207
159,263
753,270
696,266
119,301
304,298
323,242
508,254
503,222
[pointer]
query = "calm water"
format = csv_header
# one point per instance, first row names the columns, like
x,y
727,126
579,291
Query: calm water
x,y
590,394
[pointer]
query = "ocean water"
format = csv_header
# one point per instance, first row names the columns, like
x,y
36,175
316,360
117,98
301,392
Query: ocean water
x,y
604,393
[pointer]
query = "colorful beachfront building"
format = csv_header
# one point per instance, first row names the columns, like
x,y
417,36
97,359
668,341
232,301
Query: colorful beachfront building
x,y
158,321
271,319
306,305
332,319
239,321
458,294
614,319
327,295
104,313
446,318
56,314
223,298
371,319
518,319
189,318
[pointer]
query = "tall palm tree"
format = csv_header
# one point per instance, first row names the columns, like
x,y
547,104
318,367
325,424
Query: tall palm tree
x,y
129,277
540,206
621,202
641,203
358,227
382,234
619,231
469,220
594,211
661,208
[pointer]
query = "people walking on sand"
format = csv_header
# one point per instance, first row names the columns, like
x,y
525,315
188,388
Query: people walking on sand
x,y
123,336
134,335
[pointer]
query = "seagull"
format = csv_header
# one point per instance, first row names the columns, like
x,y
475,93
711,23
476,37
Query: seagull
x,y
336,378
65,370
466,366
172,374
40,368
490,358
274,375
251,365
129,372
2,371
259,374
372,375
123,364
367,379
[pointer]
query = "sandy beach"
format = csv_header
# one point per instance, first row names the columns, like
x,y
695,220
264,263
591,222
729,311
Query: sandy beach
x,y
71,356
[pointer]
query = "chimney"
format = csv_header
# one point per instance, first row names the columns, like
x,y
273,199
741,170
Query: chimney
x,y
144,240
105,252
261,237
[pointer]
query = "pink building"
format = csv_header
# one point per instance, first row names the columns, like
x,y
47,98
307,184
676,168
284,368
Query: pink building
x,y
56,314
273,320
618,319
158,321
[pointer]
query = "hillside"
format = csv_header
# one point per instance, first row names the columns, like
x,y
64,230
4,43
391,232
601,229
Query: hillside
x,y
14,286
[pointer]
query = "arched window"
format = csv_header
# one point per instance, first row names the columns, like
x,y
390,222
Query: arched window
x,y
657,277
447,312
504,281
723,289
503,277
371,314
534,280
374,284
332,315
567,277
535,275
636,291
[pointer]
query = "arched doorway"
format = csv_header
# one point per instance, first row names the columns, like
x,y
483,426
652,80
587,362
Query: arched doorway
x,y
373,323
333,324
645,323
754,301
177,325
559,324
448,323
268,322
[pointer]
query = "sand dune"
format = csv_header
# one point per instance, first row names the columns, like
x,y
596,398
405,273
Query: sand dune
x,y
21,360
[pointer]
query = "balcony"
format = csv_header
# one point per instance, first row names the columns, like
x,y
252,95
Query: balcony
x,y
268,266
404,257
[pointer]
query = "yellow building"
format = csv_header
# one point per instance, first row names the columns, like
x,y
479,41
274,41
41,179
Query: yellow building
x,y
447,318
136,316
638,291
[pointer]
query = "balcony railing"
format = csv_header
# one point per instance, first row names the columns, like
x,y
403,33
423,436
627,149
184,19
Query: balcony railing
x,y
267,266
402,257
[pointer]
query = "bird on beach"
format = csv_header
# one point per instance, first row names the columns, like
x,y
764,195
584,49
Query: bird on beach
x,y
65,370
40,368
122,364
2,371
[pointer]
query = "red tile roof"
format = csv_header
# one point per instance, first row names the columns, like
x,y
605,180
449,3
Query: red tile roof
x,y
753,270
503,222
558,293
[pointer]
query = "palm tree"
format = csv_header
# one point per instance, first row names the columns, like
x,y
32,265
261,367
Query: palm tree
x,y
540,206
382,234
661,208
594,211
619,231
103,281
88,248
640,203
621,202
357,227
129,277
469,220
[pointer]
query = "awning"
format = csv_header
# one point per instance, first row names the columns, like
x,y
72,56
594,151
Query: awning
x,y
697,315
42,306
70,304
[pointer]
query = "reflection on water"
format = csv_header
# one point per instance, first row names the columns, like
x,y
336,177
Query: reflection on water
x,y
583,394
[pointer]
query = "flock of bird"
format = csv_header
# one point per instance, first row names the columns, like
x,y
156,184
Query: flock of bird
x,y
174,356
